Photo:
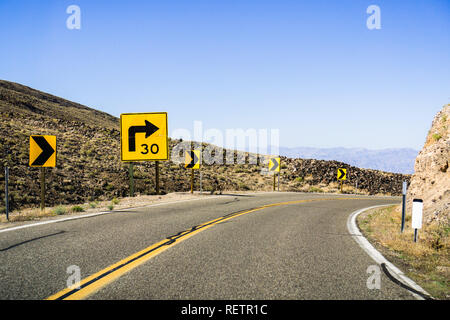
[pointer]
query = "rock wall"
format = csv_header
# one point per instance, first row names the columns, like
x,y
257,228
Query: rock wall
x,y
431,179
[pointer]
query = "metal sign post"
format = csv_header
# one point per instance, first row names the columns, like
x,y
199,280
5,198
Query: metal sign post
x,y
42,189
278,182
131,174
403,205
157,176
192,180
6,193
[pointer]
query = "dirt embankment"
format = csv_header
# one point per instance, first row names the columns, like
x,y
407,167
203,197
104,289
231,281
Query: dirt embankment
x,y
431,179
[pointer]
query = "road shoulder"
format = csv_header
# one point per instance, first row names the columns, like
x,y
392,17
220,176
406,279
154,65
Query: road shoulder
x,y
390,269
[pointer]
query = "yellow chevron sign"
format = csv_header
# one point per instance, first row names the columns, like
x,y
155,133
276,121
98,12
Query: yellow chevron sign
x,y
192,159
342,174
274,164
42,151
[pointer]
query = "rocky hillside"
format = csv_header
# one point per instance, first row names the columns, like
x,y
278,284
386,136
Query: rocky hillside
x,y
89,166
431,179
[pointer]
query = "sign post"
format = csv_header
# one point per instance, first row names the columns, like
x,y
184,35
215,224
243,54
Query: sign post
x,y
278,181
42,155
6,192
416,221
42,189
192,180
201,190
403,205
131,174
144,137
157,176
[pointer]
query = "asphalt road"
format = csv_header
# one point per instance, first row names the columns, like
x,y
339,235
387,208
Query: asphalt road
x,y
301,250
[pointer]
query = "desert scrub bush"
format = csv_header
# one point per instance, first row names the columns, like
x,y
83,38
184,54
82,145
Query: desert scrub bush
x,y
115,201
77,209
243,186
93,204
59,210
110,207
437,137
315,189
299,179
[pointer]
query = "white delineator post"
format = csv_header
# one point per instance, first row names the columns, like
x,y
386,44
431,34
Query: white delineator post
x,y
416,221
403,204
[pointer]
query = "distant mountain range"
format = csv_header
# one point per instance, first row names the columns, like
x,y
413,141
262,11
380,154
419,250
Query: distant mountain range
x,y
399,160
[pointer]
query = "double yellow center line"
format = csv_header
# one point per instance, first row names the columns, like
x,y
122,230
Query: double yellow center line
x,y
100,279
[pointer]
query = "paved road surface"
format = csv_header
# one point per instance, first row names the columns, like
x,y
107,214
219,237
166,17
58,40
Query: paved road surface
x,y
296,251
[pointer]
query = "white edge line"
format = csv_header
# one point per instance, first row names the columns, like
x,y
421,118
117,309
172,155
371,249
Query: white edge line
x,y
376,255
89,215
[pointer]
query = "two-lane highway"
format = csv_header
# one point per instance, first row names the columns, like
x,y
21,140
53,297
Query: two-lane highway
x,y
250,246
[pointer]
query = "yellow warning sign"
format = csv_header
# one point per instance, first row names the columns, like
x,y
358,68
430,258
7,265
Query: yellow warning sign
x,y
144,136
274,164
192,159
342,174
42,151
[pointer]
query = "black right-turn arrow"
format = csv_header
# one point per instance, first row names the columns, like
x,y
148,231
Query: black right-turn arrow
x,y
148,129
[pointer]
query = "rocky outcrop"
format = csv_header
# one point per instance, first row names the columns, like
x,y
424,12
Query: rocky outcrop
x,y
431,179
324,173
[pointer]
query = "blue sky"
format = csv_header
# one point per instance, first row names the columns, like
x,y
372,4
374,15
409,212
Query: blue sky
x,y
309,68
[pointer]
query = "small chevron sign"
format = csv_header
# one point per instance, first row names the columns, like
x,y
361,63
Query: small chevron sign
x,y
192,159
342,174
274,164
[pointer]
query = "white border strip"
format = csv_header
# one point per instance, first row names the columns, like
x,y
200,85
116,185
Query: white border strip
x,y
101,213
376,255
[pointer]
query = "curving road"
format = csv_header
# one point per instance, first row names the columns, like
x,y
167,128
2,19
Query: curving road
x,y
241,247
